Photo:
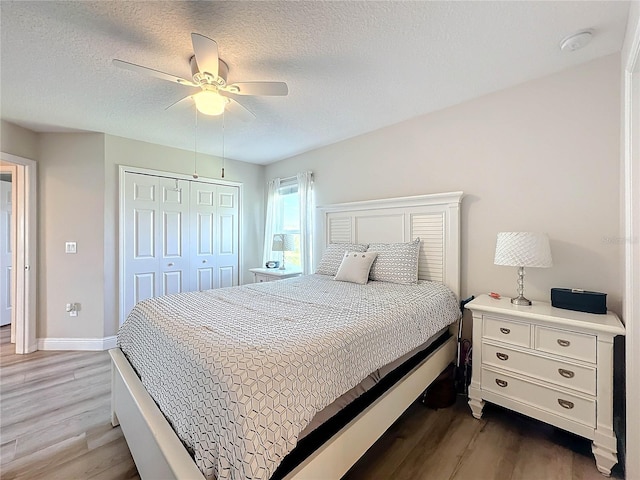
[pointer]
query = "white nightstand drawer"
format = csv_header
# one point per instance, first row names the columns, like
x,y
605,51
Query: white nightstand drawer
x,y
563,374
568,344
573,407
262,278
506,331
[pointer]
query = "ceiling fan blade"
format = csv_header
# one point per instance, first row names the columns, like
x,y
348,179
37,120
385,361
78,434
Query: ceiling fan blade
x,y
154,73
183,102
259,88
236,108
206,52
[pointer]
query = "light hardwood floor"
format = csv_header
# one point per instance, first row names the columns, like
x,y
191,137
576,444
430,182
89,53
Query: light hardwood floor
x,y
54,417
54,424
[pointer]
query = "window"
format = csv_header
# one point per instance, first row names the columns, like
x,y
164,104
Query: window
x,y
289,212
288,220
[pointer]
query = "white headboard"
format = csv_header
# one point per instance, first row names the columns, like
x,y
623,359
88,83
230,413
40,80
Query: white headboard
x,y
434,218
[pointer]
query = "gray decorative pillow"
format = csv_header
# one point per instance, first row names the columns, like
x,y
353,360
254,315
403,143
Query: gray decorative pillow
x,y
355,267
396,262
332,257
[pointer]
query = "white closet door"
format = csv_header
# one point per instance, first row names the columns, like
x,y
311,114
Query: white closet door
x,y
156,234
178,235
214,243
140,228
227,236
203,240
173,236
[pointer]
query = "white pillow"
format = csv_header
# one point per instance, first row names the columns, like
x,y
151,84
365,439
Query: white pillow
x,y
396,262
333,254
355,267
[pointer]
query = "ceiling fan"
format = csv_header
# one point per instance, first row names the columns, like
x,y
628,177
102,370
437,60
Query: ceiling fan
x,y
210,75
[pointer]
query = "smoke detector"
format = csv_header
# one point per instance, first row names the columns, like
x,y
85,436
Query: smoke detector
x,y
576,41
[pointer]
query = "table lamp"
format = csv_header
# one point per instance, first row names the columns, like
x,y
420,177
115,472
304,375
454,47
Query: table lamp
x,y
283,242
522,249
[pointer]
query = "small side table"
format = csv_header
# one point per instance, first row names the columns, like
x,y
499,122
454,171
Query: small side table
x,y
261,275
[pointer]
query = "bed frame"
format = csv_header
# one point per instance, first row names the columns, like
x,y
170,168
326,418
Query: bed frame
x,y
159,453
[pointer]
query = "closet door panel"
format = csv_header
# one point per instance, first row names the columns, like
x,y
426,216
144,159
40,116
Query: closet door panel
x,y
144,285
140,231
203,242
173,263
226,277
204,279
227,244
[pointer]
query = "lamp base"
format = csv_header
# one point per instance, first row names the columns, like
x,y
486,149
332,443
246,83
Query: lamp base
x,y
521,300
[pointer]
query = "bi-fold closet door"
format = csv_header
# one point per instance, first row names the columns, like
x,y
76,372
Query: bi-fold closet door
x,y
179,236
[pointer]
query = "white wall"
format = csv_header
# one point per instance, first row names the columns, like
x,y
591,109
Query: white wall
x,y
18,141
70,206
541,156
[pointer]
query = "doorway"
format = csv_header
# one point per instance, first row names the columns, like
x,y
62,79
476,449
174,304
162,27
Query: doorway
x,y
18,249
631,165
7,240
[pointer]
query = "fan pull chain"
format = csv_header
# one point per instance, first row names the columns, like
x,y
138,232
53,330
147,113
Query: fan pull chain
x,y
195,149
223,117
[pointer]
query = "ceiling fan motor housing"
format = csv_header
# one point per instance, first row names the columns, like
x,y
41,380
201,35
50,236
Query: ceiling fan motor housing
x,y
200,77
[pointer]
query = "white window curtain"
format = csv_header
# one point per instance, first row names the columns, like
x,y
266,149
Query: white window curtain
x,y
305,190
272,220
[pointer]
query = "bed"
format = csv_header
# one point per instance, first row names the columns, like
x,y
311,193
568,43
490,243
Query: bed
x,y
300,345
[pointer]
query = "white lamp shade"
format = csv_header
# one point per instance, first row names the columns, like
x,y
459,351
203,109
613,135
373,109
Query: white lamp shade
x,y
283,242
523,249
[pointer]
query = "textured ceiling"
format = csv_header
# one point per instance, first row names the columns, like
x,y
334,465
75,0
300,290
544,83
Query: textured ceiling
x,y
352,67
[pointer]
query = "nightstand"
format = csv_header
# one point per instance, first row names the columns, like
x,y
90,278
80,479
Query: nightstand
x,y
271,274
548,363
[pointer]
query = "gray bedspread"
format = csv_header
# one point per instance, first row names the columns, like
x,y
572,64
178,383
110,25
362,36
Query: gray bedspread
x,y
240,372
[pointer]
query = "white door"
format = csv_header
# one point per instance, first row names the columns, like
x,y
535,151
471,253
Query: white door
x,y
227,235
156,234
6,251
174,236
214,241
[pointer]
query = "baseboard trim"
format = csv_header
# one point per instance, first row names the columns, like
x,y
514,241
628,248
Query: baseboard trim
x,y
92,344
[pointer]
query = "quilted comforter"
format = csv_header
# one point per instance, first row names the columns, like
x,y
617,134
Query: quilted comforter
x,y
240,372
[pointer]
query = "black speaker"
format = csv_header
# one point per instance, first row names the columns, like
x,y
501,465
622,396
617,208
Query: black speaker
x,y
579,300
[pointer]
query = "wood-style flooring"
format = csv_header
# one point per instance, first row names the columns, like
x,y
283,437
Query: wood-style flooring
x,y
55,417
54,424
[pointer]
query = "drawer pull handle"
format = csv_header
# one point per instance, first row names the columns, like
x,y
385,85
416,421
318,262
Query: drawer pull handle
x,y
565,404
502,356
566,373
502,383
506,331
563,343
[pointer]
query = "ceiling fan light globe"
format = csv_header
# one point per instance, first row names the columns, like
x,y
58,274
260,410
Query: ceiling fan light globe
x,y
210,103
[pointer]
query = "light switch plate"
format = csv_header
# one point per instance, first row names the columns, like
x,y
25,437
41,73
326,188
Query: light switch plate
x,y
70,247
